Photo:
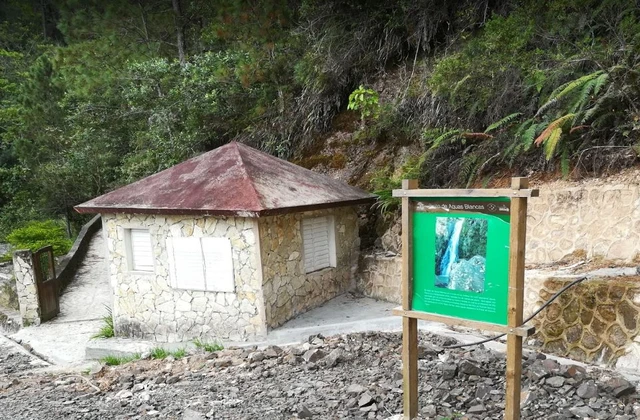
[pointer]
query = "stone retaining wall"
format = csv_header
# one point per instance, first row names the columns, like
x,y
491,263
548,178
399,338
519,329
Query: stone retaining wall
x,y
380,277
592,218
68,265
146,306
288,291
596,321
26,287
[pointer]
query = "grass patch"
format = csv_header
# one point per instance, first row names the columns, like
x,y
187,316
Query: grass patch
x,y
160,353
119,360
106,331
179,354
210,347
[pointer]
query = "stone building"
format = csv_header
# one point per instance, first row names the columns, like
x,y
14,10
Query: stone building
x,y
226,245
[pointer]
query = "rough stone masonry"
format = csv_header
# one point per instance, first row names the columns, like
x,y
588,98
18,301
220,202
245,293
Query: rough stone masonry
x,y
271,285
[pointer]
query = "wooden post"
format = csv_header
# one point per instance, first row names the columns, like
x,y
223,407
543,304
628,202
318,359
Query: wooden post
x,y
409,325
516,298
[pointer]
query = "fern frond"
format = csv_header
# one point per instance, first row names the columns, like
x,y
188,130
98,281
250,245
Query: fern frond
x,y
567,88
460,83
444,137
583,96
546,133
550,103
503,122
552,142
529,136
466,171
591,112
600,82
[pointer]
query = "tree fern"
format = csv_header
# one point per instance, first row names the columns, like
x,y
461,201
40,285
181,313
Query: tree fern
x,y
503,122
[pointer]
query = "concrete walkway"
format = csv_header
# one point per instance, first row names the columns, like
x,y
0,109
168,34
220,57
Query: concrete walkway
x,y
86,300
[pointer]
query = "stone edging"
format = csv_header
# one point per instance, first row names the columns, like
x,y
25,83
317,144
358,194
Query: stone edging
x,y
69,264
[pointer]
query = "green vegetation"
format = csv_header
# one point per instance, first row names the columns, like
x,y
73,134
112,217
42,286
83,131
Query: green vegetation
x,y
37,234
96,94
209,347
384,183
119,360
159,353
367,101
107,330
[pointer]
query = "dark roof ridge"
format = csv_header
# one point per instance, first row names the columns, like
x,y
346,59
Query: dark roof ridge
x,y
237,144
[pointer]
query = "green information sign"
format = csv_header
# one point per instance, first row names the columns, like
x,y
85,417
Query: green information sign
x,y
461,258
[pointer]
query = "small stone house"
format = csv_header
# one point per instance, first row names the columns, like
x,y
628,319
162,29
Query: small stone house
x,y
227,245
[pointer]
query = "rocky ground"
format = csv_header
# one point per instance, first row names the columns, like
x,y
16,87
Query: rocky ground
x,y
349,376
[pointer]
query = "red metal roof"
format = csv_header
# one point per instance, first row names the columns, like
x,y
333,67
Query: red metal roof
x,y
234,179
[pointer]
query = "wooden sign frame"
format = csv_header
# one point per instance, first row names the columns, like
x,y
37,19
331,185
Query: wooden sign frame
x,y
518,195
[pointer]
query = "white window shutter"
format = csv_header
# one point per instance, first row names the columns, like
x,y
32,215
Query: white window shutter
x,y
141,253
188,263
318,242
218,264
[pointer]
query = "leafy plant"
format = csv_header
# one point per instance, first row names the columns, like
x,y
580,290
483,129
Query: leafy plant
x,y
37,234
365,100
209,347
107,330
383,183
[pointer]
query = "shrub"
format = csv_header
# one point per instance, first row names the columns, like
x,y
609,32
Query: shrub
x,y
37,234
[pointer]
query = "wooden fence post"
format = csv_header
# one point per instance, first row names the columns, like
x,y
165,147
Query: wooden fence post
x,y
409,325
516,298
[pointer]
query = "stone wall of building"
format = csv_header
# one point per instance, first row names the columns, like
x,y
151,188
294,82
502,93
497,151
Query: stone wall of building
x,y
595,218
26,287
288,291
146,306
380,277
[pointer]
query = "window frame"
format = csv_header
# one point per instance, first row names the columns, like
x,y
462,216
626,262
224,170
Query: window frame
x,y
228,286
331,244
131,261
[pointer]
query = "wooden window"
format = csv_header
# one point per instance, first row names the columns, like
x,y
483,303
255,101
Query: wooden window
x,y
140,252
318,238
201,264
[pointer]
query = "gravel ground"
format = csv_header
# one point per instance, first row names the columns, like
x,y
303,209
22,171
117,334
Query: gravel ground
x,y
349,376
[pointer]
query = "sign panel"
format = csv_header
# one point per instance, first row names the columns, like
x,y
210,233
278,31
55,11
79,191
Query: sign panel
x,y
461,258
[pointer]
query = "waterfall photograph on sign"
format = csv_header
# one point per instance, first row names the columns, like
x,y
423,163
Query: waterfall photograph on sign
x,y
461,252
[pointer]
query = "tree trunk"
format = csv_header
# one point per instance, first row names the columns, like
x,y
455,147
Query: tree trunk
x,y
43,7
179,21
67,219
